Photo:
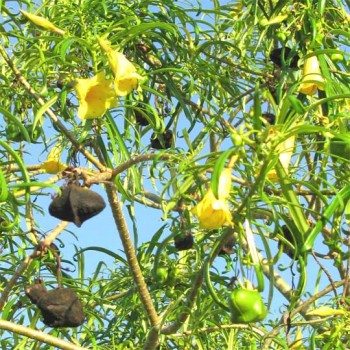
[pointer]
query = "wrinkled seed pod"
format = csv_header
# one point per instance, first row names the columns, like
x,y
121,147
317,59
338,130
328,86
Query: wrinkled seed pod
x,y
35,291
167,140
183,241
140,118
76,204
288,236
59,307
269,117
227,248
276,57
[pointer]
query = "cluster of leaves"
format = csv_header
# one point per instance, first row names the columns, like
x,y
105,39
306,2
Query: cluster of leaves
x,y
209,83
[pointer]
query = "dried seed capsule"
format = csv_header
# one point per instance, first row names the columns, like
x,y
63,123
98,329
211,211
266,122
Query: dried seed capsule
x,y
276,57
59,307
166,142
76,204
183,241
269,117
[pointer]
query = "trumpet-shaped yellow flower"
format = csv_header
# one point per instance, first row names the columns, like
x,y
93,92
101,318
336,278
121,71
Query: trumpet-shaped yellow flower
x,y
285,150
212,212
312,77
95,96
42,22
53,164
125,77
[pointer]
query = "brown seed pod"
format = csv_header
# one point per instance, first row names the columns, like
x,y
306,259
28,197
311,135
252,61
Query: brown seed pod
x,y
183,241
59,307
289,237
76,204
276,57
166,142
227,248
269,117
140,118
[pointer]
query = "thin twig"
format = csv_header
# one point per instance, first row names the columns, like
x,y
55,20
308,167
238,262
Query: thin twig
x,y
326,272
40,336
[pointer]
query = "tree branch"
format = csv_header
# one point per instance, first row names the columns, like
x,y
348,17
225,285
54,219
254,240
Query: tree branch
x,y
130,254
40,336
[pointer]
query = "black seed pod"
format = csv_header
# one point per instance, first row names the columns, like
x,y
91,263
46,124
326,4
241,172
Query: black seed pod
x,y
276,57
59,307
140,118
166,142
269,117
183,241
288,236
76,204
227,248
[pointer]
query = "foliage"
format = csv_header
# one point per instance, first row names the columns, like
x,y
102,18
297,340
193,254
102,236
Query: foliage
x,y
207,87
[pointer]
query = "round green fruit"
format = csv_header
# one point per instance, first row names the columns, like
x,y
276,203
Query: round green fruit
x,y
246,306
337,57
162,275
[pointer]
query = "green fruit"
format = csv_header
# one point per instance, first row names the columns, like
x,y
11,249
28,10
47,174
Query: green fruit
x,y
246,306
339,147
337,57
161,275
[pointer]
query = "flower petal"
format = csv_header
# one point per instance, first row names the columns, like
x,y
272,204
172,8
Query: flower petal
x,y
95,96
212,213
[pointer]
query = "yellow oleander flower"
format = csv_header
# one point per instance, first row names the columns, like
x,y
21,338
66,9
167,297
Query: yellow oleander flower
x,y
125,77
312,77
42,22
285,150
212,212
95,96
53,164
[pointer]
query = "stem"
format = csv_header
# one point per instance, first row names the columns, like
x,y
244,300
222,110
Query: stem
x,y
131,255
40,336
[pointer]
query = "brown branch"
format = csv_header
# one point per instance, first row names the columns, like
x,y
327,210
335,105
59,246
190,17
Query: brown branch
x,y
40,336
130,254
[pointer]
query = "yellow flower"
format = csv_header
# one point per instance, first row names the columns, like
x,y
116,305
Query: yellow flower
x,y
285,150
212,212
43,22
312,78
53,165
95,96
125,77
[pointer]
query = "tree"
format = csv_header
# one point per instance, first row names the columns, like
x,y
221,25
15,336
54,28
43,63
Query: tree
x,y
230,119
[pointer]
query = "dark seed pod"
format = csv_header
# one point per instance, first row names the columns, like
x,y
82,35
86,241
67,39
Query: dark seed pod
x,y
269,117
140,118
288,236
76,204
166,142
276,57
183,241
59,307
227,248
